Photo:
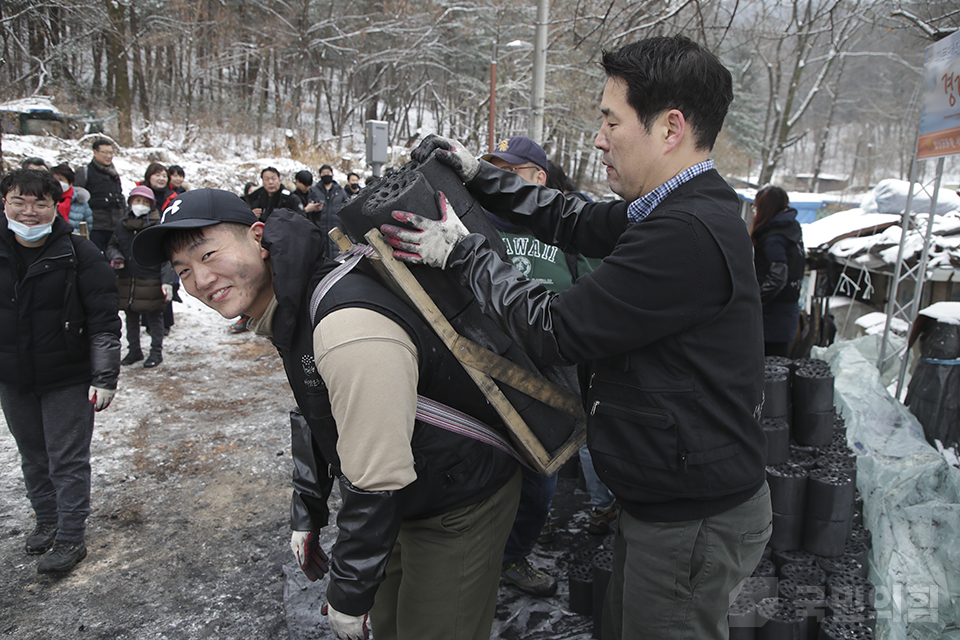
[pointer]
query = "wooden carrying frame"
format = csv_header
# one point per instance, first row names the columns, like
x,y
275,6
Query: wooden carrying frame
x,y
482,365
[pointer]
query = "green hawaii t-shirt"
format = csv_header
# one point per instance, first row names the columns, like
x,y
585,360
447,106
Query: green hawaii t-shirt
x,y
543,263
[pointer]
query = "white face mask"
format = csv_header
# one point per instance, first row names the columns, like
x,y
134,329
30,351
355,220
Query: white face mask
x,y
140,210
65,186
29,233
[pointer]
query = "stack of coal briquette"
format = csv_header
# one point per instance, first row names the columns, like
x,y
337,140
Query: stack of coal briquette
x,y
812,582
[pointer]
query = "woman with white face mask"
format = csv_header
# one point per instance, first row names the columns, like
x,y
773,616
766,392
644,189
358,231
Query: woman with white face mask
x,y
53,374
142,289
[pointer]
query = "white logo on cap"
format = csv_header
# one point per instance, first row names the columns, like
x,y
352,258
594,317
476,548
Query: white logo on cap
x,y
172,209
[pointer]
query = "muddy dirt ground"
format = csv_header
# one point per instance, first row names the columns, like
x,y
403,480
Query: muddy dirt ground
x,y
188,535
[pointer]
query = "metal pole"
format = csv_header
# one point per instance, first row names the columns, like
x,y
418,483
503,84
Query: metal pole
x,y
491,125
537,97
921,273
895,280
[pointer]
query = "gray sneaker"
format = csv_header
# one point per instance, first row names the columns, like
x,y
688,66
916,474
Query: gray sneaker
x,y
42,538
63,557
532,582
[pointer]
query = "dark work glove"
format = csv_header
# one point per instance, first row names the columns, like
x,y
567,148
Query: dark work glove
x,y
449,152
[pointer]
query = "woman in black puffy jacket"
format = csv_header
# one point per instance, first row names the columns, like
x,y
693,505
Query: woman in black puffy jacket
x,y
779,260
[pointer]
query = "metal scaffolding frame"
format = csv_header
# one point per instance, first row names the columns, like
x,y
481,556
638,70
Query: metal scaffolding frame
x,y
905,274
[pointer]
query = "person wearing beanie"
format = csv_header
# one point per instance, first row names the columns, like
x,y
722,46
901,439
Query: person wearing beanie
x,y
142,289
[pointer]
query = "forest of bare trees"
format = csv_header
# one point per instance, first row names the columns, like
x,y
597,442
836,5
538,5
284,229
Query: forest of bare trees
x,y
822,86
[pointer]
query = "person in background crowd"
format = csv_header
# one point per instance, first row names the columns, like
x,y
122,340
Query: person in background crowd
x,y
272,195
556,271
158,180
667,330
248,188
101,179
53,376
141,289
177,176
74,205
307,192
425,511
557,179
352,187
780,258
603,504
38,164
332,197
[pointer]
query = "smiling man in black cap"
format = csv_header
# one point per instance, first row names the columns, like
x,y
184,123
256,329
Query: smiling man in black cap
x,y
419,545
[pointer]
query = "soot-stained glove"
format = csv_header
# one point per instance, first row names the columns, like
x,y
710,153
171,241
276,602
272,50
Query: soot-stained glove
x,y
449,152
346,627
167,290
100,398
431,241
309,554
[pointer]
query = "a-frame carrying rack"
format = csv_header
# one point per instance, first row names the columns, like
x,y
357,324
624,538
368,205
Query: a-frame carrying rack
x,y
482,365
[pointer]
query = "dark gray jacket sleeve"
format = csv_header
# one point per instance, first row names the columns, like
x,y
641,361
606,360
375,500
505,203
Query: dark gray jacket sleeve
x,y
369,523
311,478
588,228
776,280
519,306
104,360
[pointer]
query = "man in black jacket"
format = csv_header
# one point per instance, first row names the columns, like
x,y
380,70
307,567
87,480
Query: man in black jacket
x,y
272,195
101,179
425,512
59,359
667,331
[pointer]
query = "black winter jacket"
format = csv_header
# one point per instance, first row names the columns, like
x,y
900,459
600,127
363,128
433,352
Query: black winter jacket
x,y
779,257
667,330
106,196
326,219
268,202
33,345
452,471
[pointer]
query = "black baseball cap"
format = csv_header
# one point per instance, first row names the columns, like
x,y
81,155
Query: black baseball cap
x,y
519,150
191,210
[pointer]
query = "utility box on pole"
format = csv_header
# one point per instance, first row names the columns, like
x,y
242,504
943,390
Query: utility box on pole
x,y
375,134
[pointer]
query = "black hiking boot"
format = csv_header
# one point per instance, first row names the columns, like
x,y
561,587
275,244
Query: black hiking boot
x,y
131,357
63,557
42,538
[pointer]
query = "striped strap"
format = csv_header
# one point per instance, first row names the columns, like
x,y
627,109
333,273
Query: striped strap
x,y
445,417
349,259
429,411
